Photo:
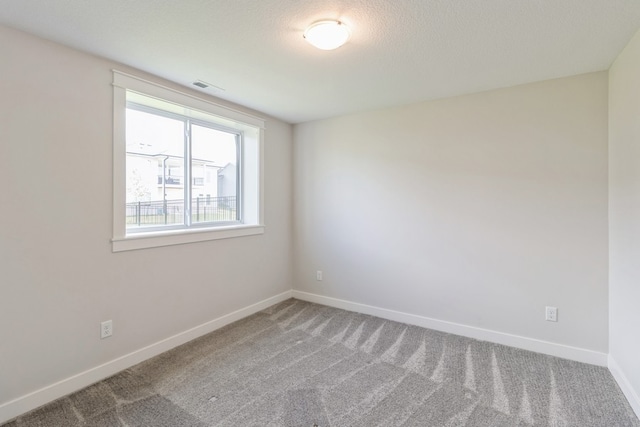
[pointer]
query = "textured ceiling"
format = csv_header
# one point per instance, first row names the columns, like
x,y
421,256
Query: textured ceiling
x,y
401,51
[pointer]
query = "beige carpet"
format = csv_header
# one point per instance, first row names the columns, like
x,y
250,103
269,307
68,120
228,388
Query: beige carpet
x,y
302,364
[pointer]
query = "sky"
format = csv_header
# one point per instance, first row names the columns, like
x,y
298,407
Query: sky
x,y
158,135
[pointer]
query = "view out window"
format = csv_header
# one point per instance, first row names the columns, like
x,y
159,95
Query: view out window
x,y
185,169
168,157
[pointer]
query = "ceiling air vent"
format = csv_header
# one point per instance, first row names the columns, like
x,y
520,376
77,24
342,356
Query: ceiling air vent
x,y
204,85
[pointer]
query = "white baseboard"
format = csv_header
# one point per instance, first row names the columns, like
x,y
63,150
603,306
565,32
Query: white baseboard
x,y
632,395
539,346
26,403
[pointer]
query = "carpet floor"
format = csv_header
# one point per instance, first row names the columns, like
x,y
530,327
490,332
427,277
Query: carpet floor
x,y
303,364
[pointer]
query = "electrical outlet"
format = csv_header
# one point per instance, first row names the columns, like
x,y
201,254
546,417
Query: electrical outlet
x,y
551,314
106,329
319,275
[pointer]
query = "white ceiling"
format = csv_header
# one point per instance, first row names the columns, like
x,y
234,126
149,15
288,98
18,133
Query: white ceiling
x,y
401,51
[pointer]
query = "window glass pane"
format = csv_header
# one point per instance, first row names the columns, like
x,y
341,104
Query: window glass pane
x,y
214,173
155,170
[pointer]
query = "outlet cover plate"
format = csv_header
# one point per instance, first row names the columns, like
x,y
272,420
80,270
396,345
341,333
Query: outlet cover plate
x,y
106,329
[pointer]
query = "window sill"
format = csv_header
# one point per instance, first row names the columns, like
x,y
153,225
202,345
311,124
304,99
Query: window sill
x,y
180,237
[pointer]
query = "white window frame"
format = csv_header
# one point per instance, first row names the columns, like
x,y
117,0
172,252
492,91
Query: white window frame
x,y
251,191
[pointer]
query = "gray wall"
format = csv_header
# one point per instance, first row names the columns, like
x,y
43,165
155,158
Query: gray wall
x,y
624,219
59,276
479,210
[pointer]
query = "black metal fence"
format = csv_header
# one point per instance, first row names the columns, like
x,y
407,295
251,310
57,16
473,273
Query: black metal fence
x,y
161,212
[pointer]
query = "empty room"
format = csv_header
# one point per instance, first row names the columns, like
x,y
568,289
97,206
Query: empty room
x,y
302,213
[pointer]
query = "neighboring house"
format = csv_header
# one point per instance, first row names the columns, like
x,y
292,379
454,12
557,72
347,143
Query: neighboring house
x,y
227,182
151,178
156,190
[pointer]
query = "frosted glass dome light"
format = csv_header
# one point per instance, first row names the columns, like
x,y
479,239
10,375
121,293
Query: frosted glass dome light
x,y
327,35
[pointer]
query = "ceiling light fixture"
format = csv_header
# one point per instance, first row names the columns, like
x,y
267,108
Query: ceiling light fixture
x,y
327,35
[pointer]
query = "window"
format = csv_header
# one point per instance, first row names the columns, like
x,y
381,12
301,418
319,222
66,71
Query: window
x,y
163,149
185,169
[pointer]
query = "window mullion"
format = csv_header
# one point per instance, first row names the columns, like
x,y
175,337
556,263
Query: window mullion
x,y
187,172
